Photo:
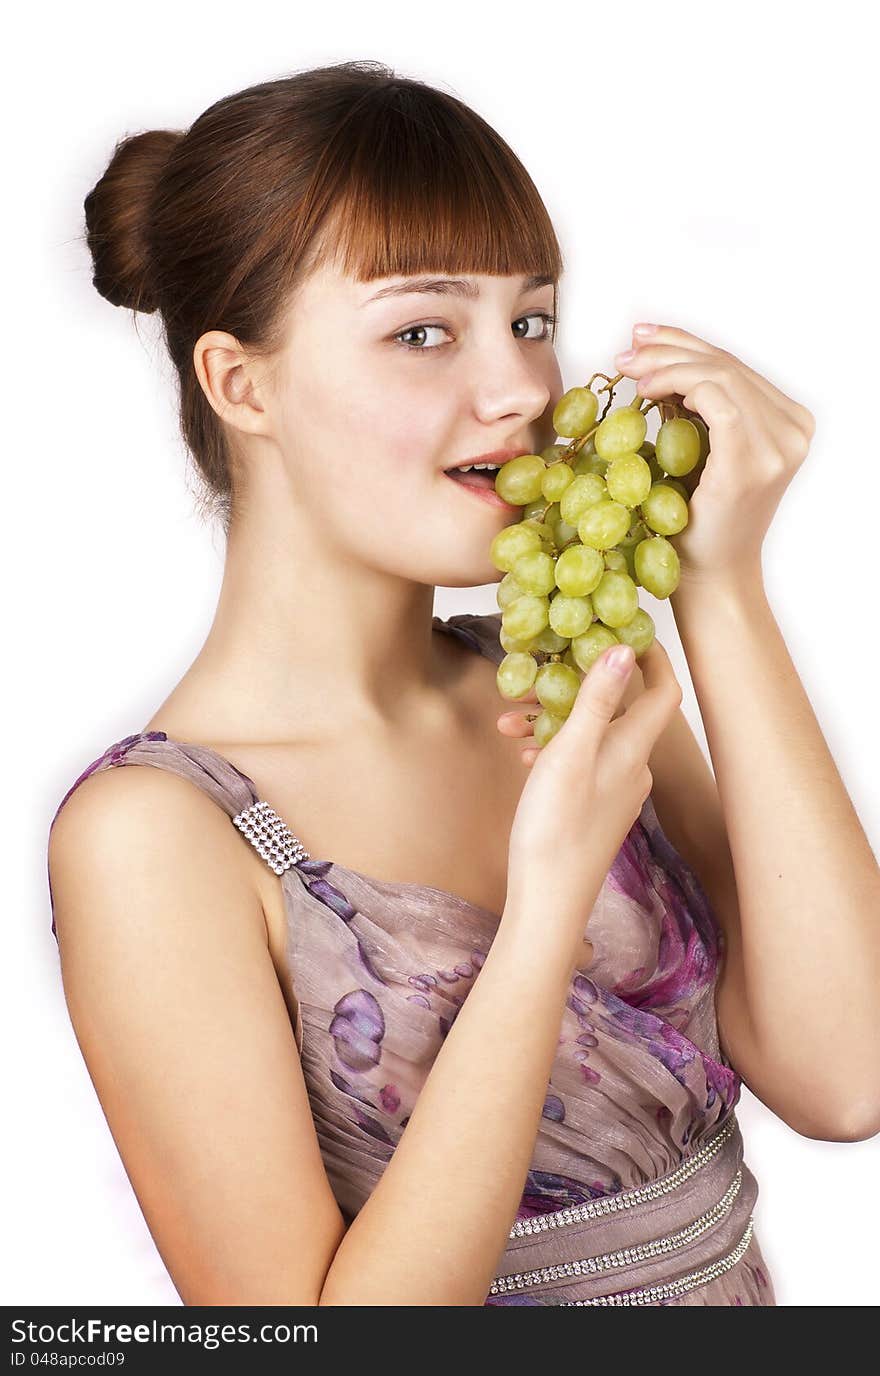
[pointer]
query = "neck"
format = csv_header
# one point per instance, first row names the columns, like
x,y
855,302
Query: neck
x,y
304,645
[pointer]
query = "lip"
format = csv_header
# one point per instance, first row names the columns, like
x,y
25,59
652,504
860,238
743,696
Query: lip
x,y
486,494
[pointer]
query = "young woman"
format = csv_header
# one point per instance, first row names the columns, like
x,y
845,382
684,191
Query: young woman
x,y
384,1006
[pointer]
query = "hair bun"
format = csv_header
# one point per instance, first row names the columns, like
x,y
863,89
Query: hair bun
x,y
117,213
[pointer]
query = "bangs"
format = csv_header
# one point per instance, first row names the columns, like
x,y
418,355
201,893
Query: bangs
x,y
414,181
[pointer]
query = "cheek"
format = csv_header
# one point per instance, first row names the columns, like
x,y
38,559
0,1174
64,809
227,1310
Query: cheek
x,y
403,428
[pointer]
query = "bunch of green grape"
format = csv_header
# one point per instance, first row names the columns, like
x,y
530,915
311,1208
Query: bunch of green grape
x,y
597,514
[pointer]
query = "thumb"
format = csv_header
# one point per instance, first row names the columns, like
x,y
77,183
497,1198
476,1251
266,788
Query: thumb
x,y
600,692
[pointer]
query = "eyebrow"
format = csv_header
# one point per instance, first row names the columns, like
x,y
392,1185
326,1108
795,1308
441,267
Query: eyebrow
x,y
450,286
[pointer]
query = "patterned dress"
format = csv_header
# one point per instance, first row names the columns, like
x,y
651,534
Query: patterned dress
x,y
637,1191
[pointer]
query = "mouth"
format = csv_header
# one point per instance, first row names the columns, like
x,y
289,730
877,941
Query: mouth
x,y
477,476
480,483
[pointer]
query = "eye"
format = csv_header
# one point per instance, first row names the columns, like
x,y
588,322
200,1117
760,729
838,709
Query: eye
x,y
549,322
546,317
418,329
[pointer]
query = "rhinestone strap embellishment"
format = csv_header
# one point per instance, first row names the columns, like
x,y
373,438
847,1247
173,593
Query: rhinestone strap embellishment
x,y
269,835
650,1294
628,1199
642,1251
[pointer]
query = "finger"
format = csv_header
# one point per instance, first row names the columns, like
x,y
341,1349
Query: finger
x,y
648,715
518,723
668,335
597,698
671,334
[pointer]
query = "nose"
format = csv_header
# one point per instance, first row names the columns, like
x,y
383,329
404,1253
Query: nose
x,y
510,383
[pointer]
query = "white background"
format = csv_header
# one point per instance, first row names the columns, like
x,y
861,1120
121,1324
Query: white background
x,y
708,167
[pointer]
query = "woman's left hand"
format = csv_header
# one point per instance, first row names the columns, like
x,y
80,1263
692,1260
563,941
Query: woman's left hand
x,y
759,438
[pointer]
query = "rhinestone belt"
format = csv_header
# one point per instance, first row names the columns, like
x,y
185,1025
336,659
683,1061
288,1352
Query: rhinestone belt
x,y
627,1199
610,1204
668,1289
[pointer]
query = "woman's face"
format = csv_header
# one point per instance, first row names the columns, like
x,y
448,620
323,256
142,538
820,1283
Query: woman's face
x,y
374,395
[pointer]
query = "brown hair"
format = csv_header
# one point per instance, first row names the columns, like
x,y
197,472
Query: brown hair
x,y
217,227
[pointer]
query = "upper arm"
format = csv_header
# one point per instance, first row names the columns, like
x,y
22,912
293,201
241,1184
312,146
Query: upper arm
x,y
180,1018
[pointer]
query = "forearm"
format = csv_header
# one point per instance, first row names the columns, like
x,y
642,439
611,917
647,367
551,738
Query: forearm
x,y
807,881
435,1226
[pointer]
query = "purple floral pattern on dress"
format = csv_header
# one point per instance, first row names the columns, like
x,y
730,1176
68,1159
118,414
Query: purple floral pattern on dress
x,y
357,1030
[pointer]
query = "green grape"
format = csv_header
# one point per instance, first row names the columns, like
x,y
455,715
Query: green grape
x,y
570,616
621,432
575,412
646,449
553,453
585,490
587,648
533,510
665,510
639,633
507,591
657,565
556,687
569,659
511,645
545,727
657,474
628,479
589,463
637,531
678,446
702,430
616,600
535,571
603,524
587,458
556,479
525,617
548,641
511,542
519,480
615,559
629,557
563,533
578,570
544,531
678,486
516,674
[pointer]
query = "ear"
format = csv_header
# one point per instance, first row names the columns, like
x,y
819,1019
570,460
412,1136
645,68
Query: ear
x,y
227,375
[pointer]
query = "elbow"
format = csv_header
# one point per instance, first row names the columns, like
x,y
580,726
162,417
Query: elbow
x,y
854,1122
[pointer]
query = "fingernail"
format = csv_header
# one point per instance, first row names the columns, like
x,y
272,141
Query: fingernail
x,y
620,659
644,328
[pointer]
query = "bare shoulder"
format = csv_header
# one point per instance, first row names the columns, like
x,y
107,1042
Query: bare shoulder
x,y
139,828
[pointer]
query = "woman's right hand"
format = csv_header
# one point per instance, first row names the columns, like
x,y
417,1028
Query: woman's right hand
x,y
586,787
